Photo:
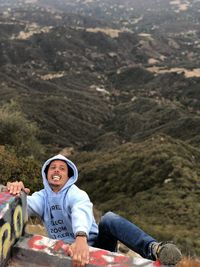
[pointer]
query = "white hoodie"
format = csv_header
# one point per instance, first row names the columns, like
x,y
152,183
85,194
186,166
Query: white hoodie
x,y
66,212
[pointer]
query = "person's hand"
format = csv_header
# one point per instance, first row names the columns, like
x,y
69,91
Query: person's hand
x,y
79,251
15,188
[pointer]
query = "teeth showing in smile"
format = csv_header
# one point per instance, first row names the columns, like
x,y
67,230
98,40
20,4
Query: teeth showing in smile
x,y
56,178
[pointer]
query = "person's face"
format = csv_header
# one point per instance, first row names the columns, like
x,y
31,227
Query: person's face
x,y
57,175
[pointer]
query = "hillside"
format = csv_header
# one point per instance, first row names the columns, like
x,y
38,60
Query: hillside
x,y
117,84
57,58
157,176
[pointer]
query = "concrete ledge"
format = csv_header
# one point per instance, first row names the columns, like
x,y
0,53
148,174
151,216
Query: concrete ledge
x,y
43,251
12,219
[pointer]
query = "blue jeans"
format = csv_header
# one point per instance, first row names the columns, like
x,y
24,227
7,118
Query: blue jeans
x,y
113,227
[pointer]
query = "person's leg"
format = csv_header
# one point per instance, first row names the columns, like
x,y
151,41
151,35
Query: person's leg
x,y
113,227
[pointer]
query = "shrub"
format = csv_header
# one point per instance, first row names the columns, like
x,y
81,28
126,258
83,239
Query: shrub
x,y
18,133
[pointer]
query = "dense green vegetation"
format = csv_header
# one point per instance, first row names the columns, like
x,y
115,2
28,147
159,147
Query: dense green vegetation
x,y
155,183
13,168
20,149
17,133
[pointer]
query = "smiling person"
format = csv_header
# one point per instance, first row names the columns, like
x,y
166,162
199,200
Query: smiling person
x,y
67,213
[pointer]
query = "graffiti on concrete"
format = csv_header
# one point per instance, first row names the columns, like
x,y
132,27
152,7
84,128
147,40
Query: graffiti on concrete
x,y
106,258
38,242
5,197
98,257
11,223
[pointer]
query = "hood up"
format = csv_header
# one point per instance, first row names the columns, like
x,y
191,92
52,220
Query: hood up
x,y
73,172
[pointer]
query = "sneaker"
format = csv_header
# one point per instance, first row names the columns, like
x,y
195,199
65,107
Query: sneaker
x,y
167,253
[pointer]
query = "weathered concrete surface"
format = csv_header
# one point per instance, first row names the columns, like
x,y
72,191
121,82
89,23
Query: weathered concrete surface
x,y
43,251
12,219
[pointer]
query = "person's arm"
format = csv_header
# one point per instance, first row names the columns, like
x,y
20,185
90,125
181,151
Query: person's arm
x,y
16,187
82,218
79,251
35,204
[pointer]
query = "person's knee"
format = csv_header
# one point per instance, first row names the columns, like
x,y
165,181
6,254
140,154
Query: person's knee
x,y
106,219
108,216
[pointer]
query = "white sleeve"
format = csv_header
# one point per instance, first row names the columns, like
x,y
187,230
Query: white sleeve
x,y
81,211
35,204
